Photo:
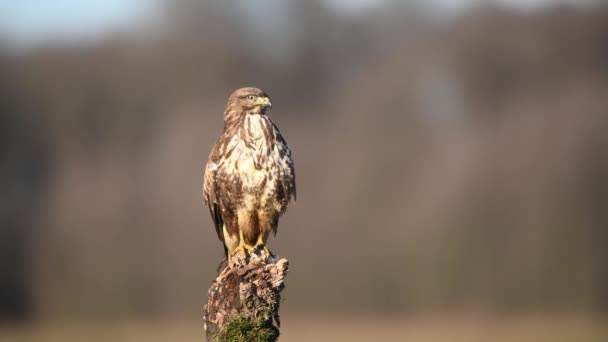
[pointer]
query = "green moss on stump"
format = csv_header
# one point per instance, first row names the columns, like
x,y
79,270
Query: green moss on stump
x,y
246,330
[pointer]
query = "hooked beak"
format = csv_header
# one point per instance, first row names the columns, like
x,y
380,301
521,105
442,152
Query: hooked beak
x,y
264,101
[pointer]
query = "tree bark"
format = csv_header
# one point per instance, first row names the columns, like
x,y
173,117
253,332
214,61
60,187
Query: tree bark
x,y
243,301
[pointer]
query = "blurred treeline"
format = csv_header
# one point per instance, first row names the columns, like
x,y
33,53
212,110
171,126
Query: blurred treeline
x,y
443,163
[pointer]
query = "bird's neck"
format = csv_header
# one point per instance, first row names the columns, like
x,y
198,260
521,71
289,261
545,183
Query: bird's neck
x,y
234,119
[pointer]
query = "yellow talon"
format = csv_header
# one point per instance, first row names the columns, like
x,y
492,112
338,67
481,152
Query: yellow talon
x,y
261,245
267,251
242,247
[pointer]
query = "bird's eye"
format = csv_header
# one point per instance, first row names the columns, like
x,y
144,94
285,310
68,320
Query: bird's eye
x,y
251,97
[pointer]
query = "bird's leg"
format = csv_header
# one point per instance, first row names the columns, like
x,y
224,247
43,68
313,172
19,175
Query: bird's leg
x,y
242,247
261,245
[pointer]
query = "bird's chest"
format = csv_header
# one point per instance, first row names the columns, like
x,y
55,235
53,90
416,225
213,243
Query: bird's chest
x,y
256,174
256,158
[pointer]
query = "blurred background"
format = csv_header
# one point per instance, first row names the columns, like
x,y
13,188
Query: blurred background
x,y
451,157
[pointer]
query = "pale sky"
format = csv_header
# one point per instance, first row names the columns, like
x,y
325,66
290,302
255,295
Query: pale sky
x,y
31,21
34,20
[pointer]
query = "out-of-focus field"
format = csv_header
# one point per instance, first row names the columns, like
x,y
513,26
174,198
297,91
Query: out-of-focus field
x,y
446,163
327,328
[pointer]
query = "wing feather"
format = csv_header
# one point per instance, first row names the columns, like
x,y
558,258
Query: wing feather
x,y
287,189
289,180
210,192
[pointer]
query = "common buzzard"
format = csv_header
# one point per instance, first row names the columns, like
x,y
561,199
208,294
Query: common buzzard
x,y
249,178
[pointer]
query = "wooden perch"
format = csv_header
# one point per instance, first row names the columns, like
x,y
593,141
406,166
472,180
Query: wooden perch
x,y
243,301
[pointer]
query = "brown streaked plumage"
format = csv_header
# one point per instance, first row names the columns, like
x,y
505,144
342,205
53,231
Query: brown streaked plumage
x,y
249,178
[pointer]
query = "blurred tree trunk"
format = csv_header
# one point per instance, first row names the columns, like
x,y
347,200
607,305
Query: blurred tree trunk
x,y
24,171
597,189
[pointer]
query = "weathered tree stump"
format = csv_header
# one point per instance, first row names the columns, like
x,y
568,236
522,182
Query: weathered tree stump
x,y
243,301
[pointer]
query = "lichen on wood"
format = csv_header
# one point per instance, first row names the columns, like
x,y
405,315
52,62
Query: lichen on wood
x,y
243,301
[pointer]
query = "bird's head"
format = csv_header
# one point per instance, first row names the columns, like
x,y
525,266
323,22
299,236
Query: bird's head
x,y
249,100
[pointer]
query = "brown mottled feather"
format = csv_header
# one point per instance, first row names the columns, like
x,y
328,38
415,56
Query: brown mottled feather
x,y
249,174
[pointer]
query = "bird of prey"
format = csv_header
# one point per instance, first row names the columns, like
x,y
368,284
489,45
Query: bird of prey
x,y
249,178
